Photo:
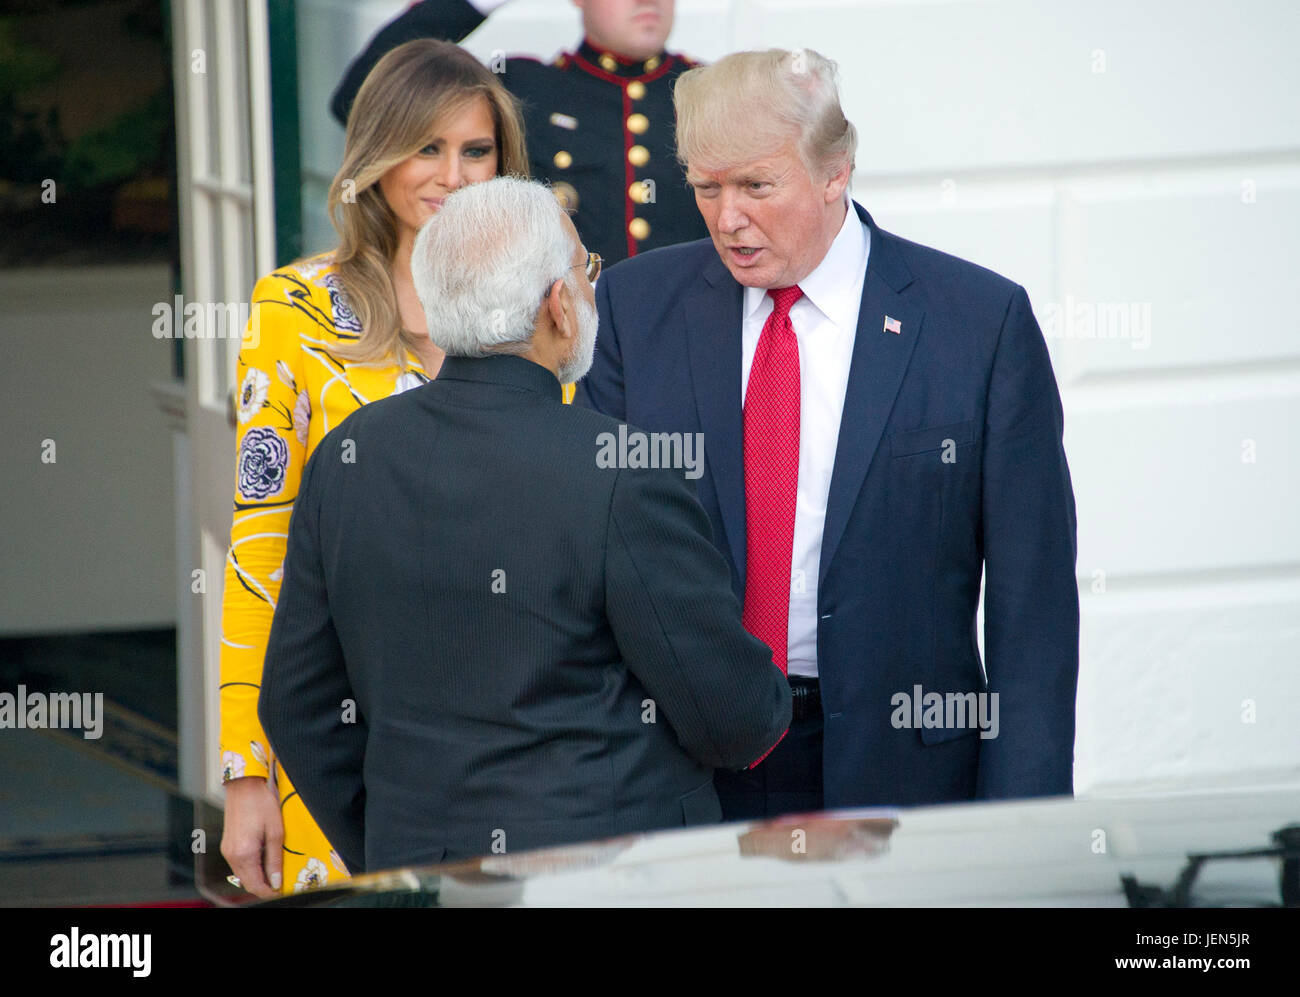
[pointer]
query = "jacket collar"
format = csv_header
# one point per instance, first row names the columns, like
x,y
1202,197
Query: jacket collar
x,y
611,66
713,320
503,369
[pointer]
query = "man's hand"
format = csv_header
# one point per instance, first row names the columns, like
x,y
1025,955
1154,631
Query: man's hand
x,y
253,838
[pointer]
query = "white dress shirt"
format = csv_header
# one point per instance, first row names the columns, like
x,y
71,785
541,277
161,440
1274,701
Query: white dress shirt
x,y
825,323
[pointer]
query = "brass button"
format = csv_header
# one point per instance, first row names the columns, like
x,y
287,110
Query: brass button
x,y
637,192
652,64
563,160
566,194
636,89
638,155
637,123
639,227
607,63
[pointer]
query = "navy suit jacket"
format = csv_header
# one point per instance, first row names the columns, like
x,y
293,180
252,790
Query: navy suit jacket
x,y
949,464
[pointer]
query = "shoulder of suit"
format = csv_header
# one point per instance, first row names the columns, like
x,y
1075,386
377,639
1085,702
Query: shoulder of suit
x,y
664,265
587,421
928,262
563,62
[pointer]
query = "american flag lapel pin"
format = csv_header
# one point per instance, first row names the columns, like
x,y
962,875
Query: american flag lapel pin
x,y
893,325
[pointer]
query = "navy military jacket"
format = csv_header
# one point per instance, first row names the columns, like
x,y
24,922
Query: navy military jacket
x,y
599,129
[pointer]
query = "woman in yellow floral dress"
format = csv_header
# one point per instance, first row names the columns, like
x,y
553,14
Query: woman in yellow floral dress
x,y
327,335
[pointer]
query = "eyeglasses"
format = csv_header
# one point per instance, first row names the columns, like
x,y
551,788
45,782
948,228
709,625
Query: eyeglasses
x,y
593,265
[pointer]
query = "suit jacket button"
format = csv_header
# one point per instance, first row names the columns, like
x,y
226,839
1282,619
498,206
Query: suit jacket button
x,y
563,160
636,89
638,155
639,227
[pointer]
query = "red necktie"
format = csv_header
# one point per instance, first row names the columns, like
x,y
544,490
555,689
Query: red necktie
x,y
772,476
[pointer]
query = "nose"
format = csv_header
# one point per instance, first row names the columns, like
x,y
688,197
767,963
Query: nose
x,y
451,177
731,217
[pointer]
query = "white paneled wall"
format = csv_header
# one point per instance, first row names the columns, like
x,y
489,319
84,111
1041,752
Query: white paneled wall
x,y
1137,168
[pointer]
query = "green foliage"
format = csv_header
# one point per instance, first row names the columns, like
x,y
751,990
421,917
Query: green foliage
x,y
129,144
31,145
21,66
31,149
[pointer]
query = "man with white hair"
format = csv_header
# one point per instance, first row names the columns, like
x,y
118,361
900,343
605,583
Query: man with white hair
x,y
488,638
882,427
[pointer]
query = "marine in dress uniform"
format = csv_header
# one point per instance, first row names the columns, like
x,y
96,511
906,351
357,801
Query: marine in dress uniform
x,y
599,127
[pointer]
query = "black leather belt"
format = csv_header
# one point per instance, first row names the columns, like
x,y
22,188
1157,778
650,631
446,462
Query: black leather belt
x,y
806,696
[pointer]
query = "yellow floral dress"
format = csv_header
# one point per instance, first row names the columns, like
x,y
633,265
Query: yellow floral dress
x,y
293,389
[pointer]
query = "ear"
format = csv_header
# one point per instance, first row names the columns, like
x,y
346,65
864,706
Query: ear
x,y
559,305
837,182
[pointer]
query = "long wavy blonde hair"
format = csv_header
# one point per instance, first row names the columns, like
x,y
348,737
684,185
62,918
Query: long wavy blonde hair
x,y
409,93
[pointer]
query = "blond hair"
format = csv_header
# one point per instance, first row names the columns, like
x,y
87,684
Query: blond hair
x,y
750,104
409,93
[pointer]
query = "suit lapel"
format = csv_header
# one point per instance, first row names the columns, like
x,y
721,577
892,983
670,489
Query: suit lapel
x,y
880,359
713,332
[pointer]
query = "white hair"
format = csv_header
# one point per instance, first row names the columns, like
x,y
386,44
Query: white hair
x,y
483,263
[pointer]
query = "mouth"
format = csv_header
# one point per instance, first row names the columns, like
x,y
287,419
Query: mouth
x,y
744,255
432,203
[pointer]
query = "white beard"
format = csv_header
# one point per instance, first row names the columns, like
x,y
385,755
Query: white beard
x,y
578,362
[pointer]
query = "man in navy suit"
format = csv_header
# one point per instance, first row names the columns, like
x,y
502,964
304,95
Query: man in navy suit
x,y
881,427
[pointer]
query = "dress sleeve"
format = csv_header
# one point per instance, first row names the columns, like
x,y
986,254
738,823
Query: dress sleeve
x,y
273,409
